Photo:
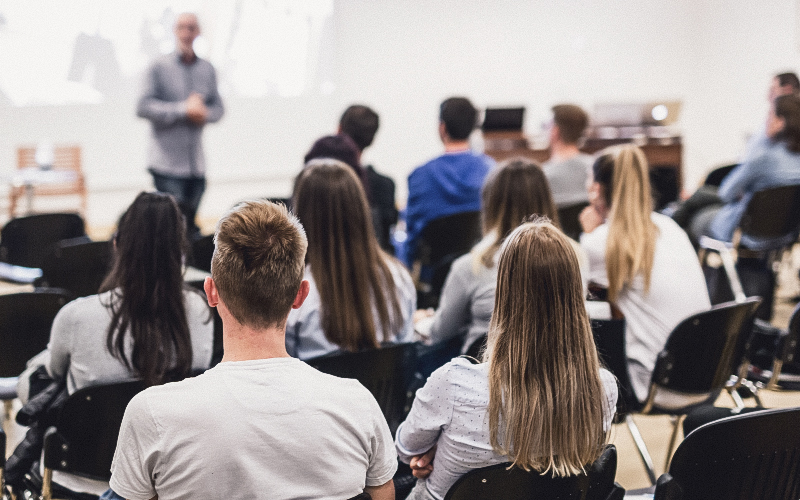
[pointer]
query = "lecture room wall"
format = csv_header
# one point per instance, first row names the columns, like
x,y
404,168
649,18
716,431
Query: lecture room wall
x,y
404,56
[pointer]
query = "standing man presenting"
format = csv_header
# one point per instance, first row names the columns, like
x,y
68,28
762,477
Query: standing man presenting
x,y
180,96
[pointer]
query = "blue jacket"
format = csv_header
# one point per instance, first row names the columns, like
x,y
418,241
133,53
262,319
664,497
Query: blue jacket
x,y
446,185
774,166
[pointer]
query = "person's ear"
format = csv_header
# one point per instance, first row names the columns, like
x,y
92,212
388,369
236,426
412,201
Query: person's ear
x,y
302,293
443,132
212,294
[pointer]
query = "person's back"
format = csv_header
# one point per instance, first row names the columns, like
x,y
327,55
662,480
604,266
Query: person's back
x,y
643,258
568,170
358,296
451,183
539,399
259,423
247,429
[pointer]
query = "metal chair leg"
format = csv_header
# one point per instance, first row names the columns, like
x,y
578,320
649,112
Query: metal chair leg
x,y
676,424
47,484
640,445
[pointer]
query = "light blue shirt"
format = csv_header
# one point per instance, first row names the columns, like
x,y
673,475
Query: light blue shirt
x,y
773,166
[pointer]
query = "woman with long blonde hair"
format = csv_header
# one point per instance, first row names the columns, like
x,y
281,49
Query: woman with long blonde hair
x,y
513,192
539,399
643,258
360,296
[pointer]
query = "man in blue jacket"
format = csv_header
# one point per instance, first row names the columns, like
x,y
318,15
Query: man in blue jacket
x,y
451,183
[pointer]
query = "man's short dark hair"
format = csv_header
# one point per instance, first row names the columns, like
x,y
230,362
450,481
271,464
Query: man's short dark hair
x,y
459,117
258,262
789,79
360,123
571,121
339,147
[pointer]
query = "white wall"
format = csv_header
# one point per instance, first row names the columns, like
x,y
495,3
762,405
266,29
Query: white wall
x,y
403,57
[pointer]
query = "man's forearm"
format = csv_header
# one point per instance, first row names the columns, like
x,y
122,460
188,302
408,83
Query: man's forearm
x,y
382,492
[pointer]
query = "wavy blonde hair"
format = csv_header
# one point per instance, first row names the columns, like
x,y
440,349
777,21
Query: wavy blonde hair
x,y
632,235
545,393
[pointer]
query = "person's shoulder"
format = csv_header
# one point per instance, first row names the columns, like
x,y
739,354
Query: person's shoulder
x,y
665,223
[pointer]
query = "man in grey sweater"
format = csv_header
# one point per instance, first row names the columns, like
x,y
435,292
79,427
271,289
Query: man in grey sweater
x,y
180,96
567,170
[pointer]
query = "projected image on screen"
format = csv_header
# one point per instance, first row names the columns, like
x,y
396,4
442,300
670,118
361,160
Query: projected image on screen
x,y
89,51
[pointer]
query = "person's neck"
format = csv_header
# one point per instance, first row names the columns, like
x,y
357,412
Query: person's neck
x,y
187,54
456,146
561,152
243,343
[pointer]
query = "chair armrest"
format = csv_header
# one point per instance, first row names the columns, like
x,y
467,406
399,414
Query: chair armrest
x,y
716,245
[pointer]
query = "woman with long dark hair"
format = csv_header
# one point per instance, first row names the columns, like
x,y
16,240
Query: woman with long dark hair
x,y
145,323
360,296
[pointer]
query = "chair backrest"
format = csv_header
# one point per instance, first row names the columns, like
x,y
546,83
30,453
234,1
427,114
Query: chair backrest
x,y
568,217
64,158
2,460
705,349
25,241
444,240
772,213
499,482
25,321
85,436
609,337
77,265
716,176
755,456
202,252
385,372
449,235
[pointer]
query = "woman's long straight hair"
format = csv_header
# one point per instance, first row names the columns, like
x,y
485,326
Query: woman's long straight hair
x,y
632,235
511,194
545,393
351,272
146,285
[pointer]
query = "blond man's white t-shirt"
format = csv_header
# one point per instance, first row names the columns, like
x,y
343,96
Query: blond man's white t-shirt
x,y
272,428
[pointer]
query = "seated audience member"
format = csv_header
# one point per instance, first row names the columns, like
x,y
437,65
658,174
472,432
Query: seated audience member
x,y
781,84
513,192
568,170
144,324
260,424
360,123
359,295
339,147
539,399
643,258
451,183
717,213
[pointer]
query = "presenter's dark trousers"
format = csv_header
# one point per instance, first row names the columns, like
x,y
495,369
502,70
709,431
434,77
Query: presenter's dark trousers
x,y
188,192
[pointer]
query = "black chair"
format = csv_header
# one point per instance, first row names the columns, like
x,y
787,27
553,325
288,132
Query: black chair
x,y
202,251
86,431
2,462
769,225
499,482
25,241
76,265
442,241
754,456
386,372
696,364
785,369
609,337
475,350
568,217
25,321
716,176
